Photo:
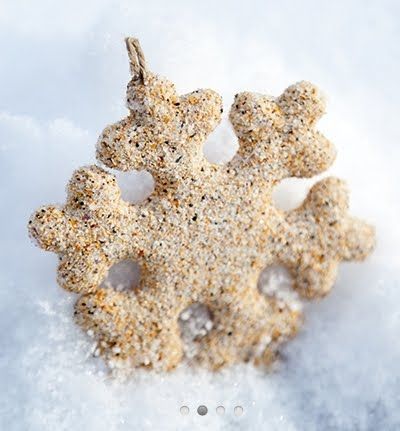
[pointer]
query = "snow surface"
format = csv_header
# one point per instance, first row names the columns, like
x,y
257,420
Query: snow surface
x,y
63,74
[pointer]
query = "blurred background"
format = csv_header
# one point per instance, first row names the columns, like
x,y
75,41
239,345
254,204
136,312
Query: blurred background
x,y
63,72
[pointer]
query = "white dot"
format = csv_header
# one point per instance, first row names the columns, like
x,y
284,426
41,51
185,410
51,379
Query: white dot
x,y
220,410
184,410
238,410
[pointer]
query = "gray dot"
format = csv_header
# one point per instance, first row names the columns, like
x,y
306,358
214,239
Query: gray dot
x,y
184,410
220,410
238,410
202,410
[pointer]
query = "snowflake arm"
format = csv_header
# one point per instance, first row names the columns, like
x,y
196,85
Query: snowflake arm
x,y
319,235
91,232
164,132
276,135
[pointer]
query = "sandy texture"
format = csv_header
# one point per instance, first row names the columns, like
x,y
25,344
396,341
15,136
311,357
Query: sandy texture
x,y
207,231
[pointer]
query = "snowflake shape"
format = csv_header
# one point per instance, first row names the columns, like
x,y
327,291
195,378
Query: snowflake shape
x,y
207,231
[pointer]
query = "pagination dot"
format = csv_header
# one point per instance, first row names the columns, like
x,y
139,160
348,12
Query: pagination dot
x,y
220,410
202,410
238,410
184,410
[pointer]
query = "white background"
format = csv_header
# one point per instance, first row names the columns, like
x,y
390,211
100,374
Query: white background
x,y
63,71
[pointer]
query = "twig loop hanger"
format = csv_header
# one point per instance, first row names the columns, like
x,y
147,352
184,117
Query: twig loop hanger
x,y
136,59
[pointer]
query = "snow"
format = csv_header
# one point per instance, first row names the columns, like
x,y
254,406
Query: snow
x,y
63,73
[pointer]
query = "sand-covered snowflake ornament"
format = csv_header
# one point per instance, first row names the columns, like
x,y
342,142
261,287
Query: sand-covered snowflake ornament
x,y
206,232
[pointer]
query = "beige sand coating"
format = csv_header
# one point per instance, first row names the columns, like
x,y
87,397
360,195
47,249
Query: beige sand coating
x,y
207,231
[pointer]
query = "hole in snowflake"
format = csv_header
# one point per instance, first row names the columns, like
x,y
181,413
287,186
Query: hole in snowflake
x,y
222,143
276,282
195,322
122,275
290,192
136,186
273,279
